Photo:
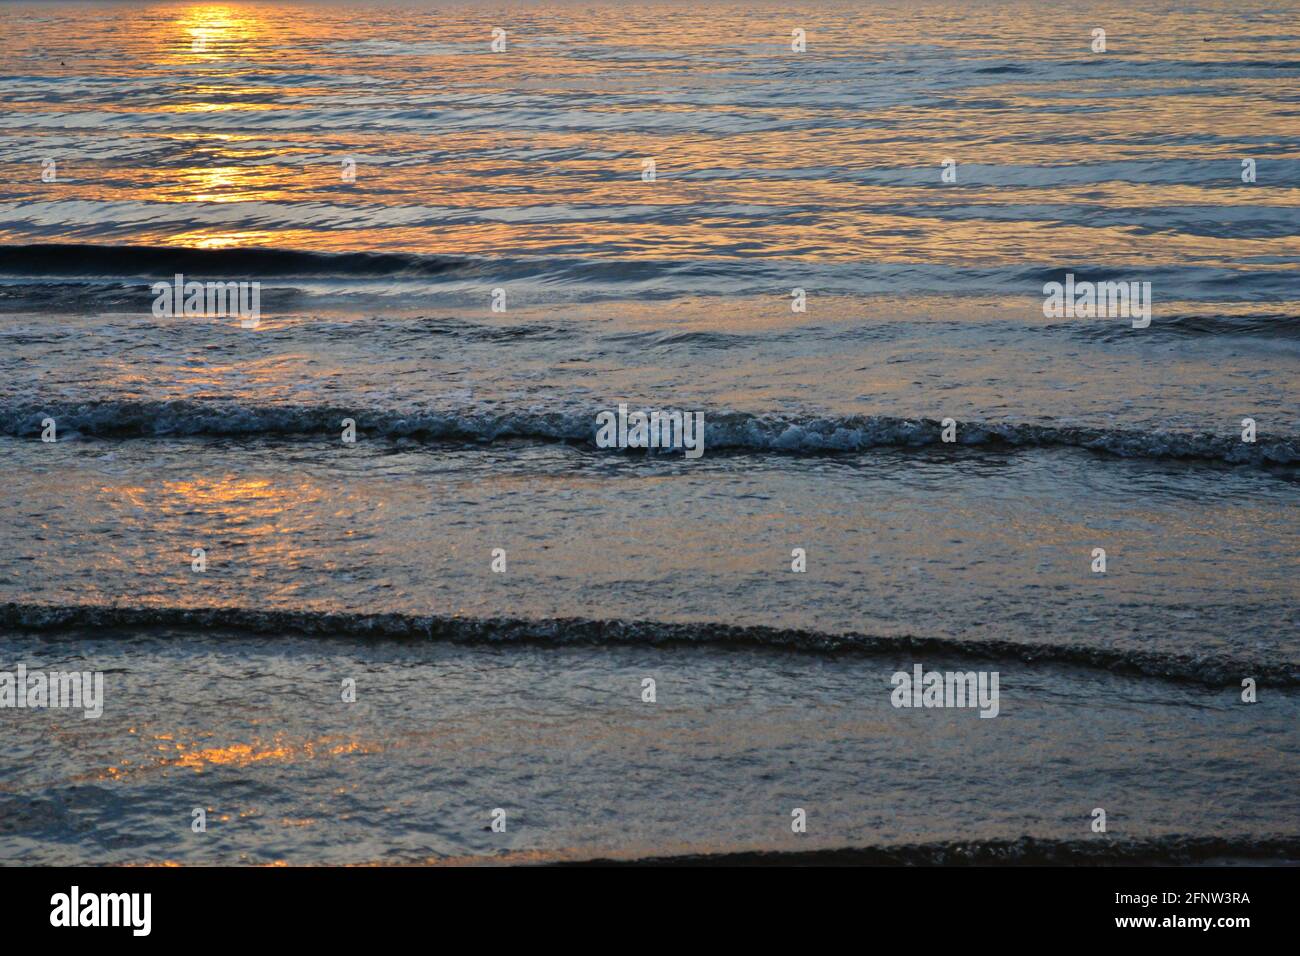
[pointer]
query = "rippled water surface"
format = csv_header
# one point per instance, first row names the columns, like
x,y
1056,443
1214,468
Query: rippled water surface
x,y
217,125
212,140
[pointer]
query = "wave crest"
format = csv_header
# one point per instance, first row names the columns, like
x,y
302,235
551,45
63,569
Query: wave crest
x,y
1209,669
734,431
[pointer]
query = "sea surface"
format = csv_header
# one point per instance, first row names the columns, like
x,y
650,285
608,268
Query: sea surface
x,y
500,269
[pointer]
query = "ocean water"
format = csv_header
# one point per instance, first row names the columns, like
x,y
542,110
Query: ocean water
x,y
210,140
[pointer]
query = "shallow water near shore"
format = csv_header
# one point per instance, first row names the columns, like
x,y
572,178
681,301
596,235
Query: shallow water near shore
x,y
883,397
253,729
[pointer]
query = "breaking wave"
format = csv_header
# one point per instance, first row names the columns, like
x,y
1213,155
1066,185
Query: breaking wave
x,y
1208,669
735,431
